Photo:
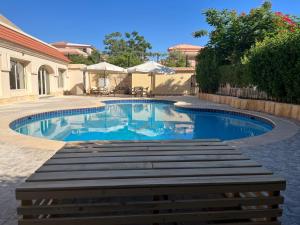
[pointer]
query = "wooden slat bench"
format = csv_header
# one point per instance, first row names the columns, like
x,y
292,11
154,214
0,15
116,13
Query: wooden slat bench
x,y
154,182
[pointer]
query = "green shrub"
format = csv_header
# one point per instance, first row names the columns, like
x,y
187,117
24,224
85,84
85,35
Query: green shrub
x,y
274,65
207,73
236,75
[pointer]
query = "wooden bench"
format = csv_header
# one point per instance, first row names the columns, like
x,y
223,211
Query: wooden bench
x,y
155,182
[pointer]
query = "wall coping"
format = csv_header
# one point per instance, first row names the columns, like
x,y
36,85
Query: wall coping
x,y
287,110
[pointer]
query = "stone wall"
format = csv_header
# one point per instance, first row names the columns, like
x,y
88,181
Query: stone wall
x,y
274,108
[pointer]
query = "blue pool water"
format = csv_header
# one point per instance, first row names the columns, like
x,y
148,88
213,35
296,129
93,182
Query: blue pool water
x,y
140,120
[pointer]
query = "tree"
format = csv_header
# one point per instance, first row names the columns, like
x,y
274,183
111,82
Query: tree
x,y
176,59
274,65
233,34
94,58
126,50
157,55
231,37
207,73
78,59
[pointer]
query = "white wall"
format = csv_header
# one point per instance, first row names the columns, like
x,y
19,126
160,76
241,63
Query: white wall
x,y
32,61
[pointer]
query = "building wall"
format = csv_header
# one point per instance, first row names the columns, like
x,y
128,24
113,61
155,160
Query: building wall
x,y
75,80
177,84
161,84
119,81
32,62
141,80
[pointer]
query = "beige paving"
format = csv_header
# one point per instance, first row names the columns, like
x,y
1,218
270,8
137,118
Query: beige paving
x,y
21,155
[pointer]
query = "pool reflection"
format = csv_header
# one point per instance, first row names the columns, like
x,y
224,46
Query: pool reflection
x,y
144,121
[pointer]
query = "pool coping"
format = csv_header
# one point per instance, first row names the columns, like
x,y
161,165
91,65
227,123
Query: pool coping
x,y
283,128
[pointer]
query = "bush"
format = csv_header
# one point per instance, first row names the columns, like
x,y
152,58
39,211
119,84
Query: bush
x,y
260,48
207,73
274,65
236,75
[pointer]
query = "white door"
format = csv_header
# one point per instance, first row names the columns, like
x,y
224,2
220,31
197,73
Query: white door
x,y
43,79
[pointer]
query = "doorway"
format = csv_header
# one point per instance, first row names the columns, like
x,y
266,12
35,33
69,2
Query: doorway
x,y
43,80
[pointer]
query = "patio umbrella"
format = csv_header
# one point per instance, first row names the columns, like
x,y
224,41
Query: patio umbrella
x,y
105,68
151,67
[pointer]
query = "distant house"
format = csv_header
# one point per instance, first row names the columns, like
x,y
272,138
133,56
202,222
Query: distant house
x,y
190,51
68,48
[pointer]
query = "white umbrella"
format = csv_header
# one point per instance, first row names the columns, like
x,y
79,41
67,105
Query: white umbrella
x,y
105,67
151,67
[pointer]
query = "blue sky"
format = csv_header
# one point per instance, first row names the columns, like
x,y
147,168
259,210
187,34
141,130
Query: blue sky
x,y
162,22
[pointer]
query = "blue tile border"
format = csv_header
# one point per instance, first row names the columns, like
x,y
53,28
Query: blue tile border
x,y
108,102
52,114
68,112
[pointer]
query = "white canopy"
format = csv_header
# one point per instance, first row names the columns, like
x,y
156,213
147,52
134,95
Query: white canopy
x,y
150,67
104,66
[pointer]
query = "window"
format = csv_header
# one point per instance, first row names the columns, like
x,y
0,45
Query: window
x,y
16,75
60,78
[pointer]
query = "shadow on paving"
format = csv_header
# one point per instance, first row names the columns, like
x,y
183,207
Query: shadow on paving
x,y
8,203
283,158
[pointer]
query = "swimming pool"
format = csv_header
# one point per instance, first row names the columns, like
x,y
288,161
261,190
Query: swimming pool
x,y
141,120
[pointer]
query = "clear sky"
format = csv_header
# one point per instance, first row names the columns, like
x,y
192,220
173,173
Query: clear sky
x,y
163,22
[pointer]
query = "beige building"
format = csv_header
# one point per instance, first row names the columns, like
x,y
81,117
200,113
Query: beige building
x,y
29,67
68,48
190,51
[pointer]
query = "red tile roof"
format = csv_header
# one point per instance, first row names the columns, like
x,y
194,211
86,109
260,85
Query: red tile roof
x,y
23,40
64,44
72,51
185,47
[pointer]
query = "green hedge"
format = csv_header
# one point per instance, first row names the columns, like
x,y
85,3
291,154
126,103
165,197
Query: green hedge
x,y
207,73
236,75
274,66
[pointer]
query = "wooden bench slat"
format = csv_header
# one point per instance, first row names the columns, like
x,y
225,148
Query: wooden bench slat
x,y
133,142
155,173
143,148
150,205
157,218
144,144
148,165
145,153
152,182
189,158
29,193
